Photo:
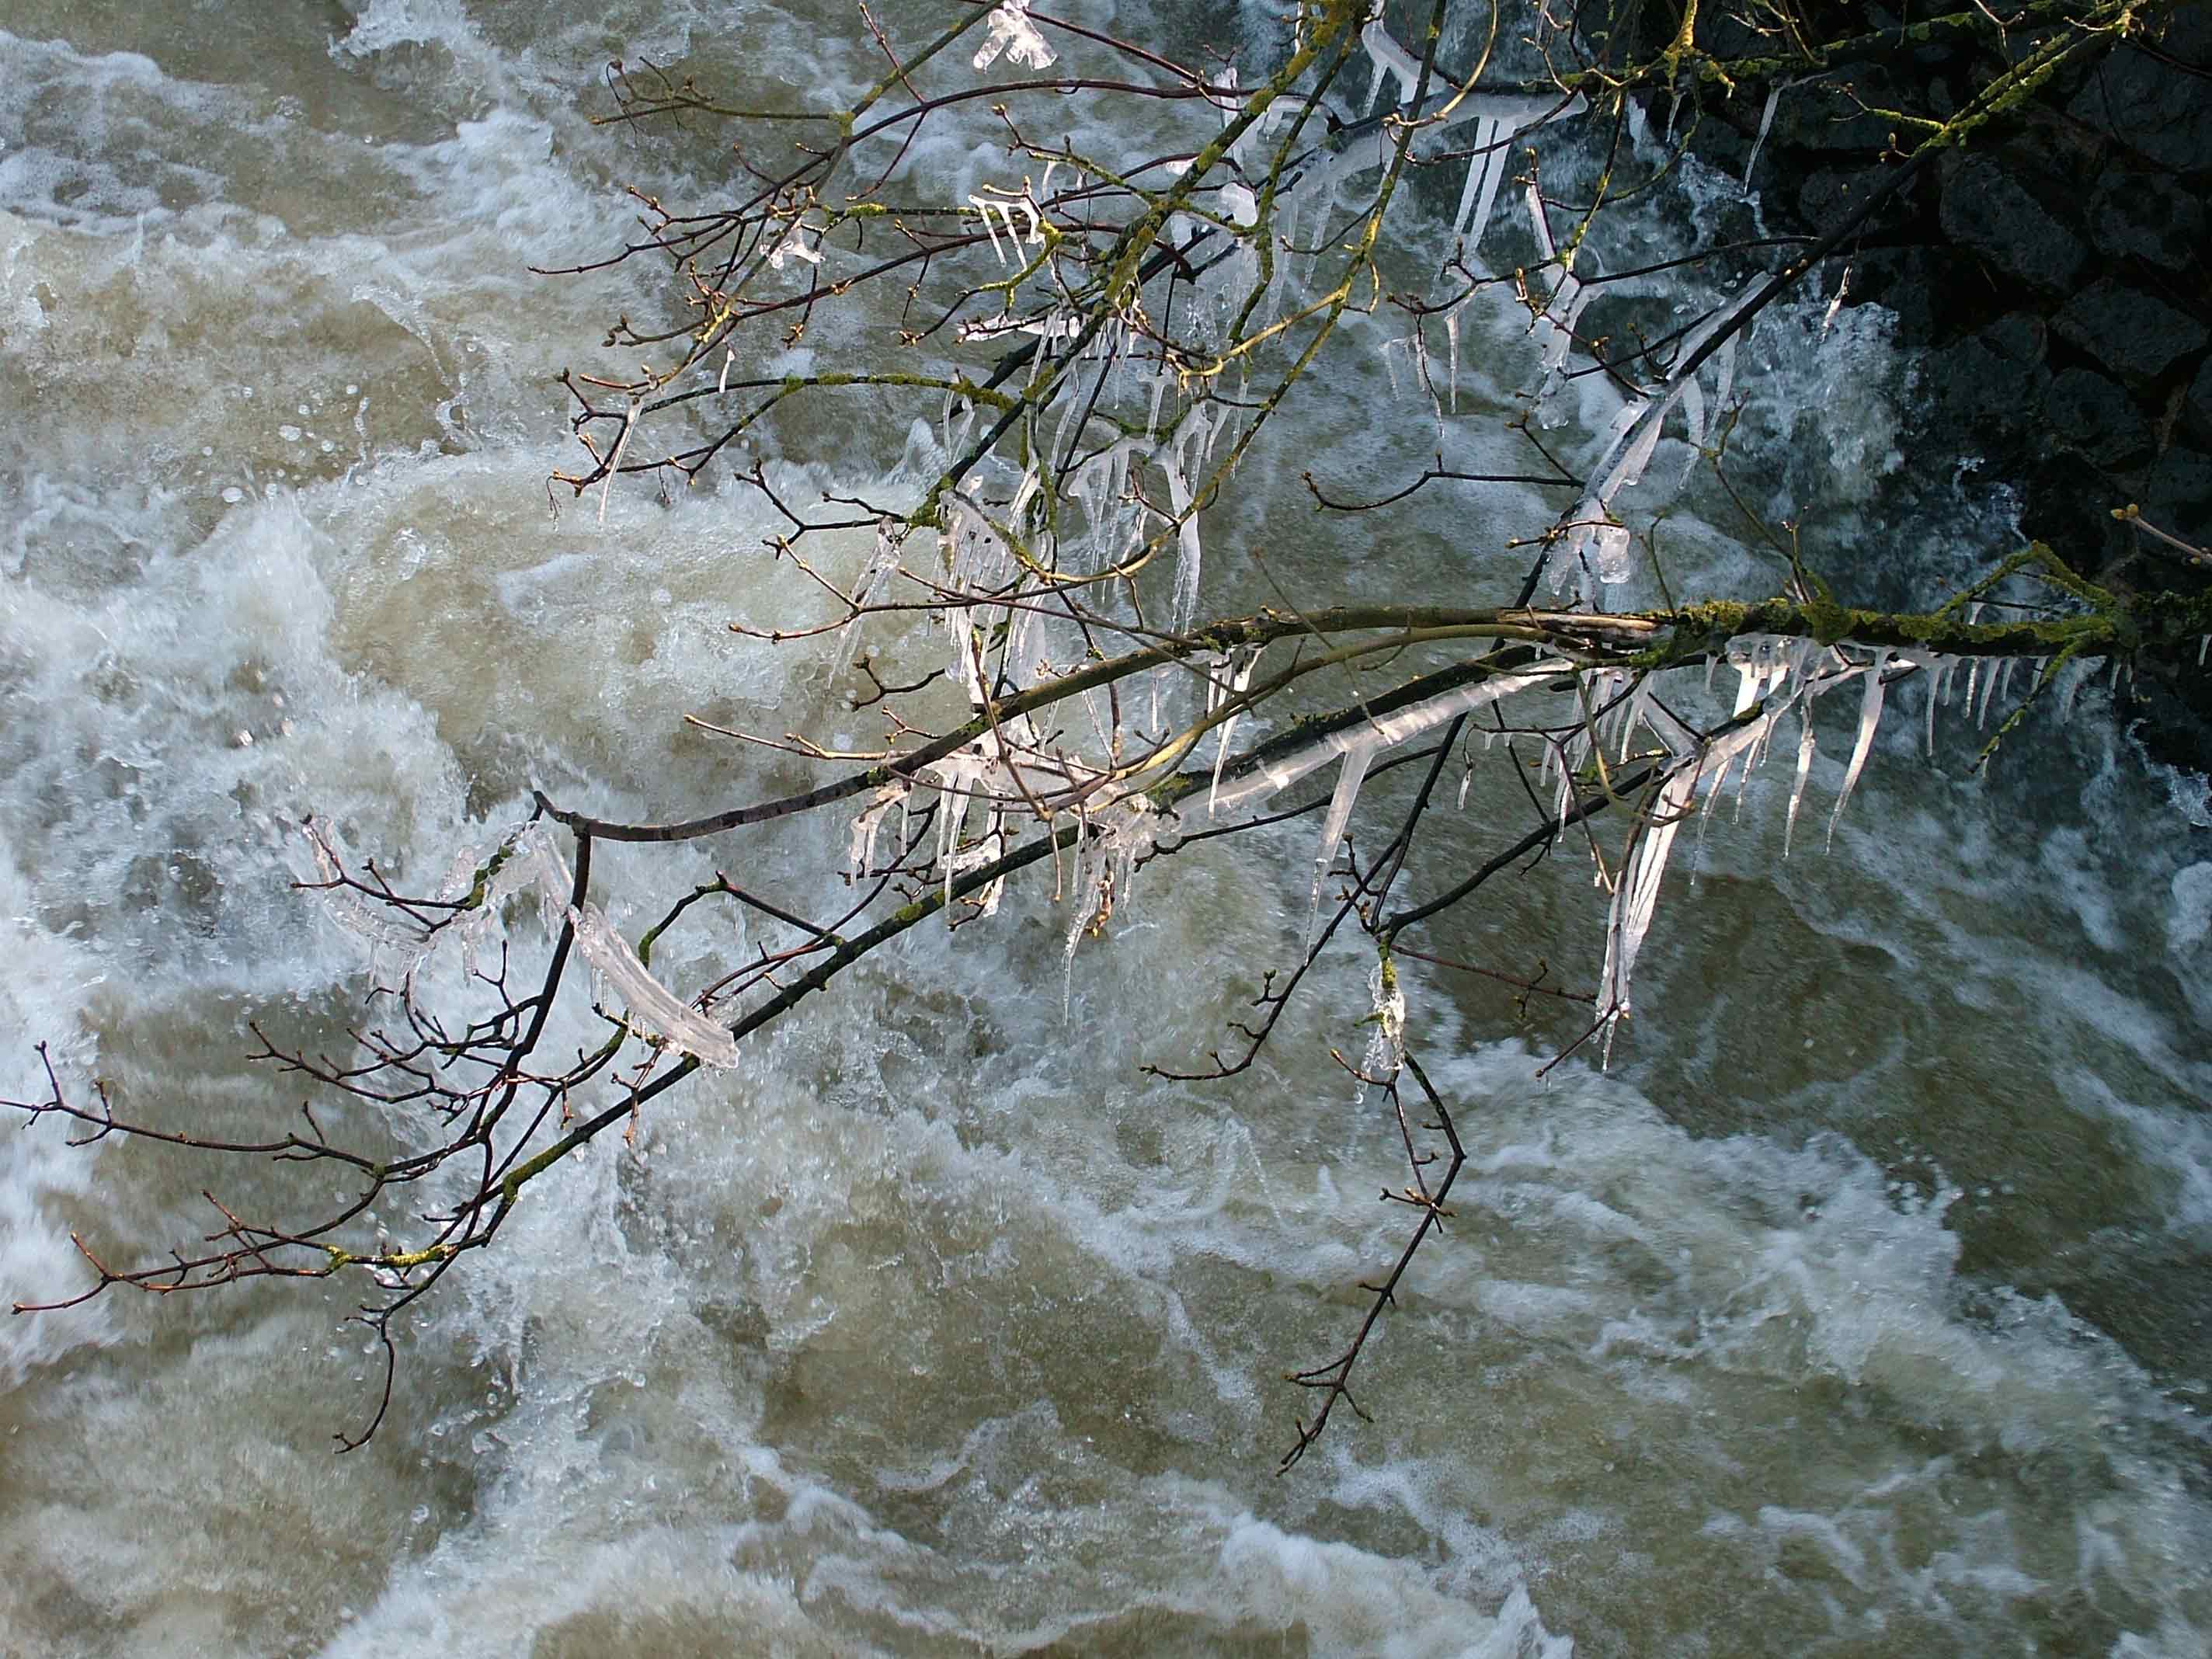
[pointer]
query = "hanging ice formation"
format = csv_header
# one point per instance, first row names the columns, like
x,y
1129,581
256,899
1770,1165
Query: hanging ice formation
x,y
1231,675
1392,61
1013,34
1588,541
527,858
1776,677
653,1011
1499,118
1386,1044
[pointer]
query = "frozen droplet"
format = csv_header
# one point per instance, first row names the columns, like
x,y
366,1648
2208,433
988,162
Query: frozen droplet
x,y
290,433
351,390
233,495
302,410
326,445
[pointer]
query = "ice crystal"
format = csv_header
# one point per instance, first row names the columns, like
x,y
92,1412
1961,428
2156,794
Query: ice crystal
x,y
1013,34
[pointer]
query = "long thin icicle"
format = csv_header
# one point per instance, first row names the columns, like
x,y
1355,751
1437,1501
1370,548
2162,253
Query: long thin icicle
x,y
1357,760
1869,717
1804,766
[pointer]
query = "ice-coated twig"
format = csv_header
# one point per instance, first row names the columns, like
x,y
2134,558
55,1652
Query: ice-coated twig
x,y
654,1012
1386,1045
1279,774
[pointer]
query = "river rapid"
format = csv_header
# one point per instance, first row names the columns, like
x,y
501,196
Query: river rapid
x,y
1860,1308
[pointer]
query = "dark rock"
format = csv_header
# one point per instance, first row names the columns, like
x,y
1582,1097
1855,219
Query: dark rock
x,y
2147,216
2158,111
2136,335
2095,417
2178,496
1917,283
1988,208
1990,384
2197,404
1821,116
1828,197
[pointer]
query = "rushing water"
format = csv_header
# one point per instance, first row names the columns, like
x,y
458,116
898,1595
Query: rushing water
x,y
1860,1309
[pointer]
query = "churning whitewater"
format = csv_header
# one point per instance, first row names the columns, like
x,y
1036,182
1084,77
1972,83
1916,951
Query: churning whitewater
x,y
1858,1307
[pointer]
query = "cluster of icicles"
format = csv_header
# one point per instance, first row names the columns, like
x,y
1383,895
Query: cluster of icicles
x,y
998,786
1015,775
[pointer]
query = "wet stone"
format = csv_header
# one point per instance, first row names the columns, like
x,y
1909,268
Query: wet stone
x,y
1991,384
2178,495
2095,416
2196,404
2147,217
2136,335
2158,111
1987,209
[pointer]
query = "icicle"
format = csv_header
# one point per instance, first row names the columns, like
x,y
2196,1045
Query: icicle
x,y
1724,377
862,851
1532,198
1240,663
1188,554
655,1012
1391,60
1869,717
1636,898
1694,419
1804,769
2073,676
1638,713
1988,693
1451,334
1357,759
1931,665
1765,121
1555,326
1615,554
1484,174
1013,34
1750,675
